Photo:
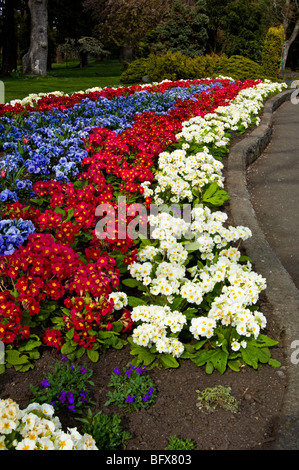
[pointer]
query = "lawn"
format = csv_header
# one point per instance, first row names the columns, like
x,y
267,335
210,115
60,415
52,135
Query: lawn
x,y
67,77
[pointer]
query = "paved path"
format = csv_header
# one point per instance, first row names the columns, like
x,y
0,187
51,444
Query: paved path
x,y
273,185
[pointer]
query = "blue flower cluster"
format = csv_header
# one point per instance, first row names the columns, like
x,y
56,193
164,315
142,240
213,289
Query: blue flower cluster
x,y
50,144
13,233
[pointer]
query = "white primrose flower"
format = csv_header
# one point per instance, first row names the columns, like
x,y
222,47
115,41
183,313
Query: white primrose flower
x,y
202,327
38,429
235,346
120,300
154,329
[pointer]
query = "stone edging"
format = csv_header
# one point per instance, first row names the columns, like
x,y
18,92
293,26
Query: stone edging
x,y
281,291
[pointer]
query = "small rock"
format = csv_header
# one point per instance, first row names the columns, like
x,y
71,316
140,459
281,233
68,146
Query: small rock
x,y
280,373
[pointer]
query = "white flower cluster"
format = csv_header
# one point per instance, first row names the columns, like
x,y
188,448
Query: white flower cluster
x,y
162,269
239,114
35,97
120,300
210,233
39,429
161,265
179,172
241,289
156,321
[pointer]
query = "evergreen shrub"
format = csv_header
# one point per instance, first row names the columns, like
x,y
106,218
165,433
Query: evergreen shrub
x,y
239,68
134,72
176,66
272,52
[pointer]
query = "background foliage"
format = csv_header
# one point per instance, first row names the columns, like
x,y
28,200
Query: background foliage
x,y
136,28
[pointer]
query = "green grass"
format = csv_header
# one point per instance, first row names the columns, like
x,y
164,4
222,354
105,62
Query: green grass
x,y
68,78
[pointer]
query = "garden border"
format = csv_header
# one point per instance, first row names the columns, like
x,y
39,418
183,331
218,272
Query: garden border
x,y
281,291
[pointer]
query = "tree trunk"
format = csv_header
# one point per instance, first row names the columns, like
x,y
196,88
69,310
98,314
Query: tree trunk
x,y
9,58
35,61
289,42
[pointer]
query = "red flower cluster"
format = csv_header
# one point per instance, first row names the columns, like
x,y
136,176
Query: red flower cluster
x,y
11,330
87,317
46,270
20,211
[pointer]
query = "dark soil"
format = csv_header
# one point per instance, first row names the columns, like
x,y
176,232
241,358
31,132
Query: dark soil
x,y
259,394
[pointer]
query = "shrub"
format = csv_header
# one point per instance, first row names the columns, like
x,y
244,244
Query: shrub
x,y
134,72
239,68
176,66
169,66
106,430
272,51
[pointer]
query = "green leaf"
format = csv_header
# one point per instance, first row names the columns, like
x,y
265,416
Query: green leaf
x,y
130,282
274,363
219,360
209,368
234,365
135,301
192,246
30,344
263,355
68,348
249,356
168,361
14,357
93,355
177,302
58,210
189,313
264,341
200,344
215,195
145,241
210,191
70,333
70,214
117,327
202,357
39,201
143,354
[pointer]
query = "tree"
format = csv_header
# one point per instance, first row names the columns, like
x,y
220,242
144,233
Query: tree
x,y
125,24
84,47
273,50
286,12
68,22
35,61
244,26
215,12
9,55
185,28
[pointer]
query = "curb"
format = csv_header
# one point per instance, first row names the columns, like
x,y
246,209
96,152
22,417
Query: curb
x,y
281,292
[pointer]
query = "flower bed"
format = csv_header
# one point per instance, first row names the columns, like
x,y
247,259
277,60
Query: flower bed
x,y
80,286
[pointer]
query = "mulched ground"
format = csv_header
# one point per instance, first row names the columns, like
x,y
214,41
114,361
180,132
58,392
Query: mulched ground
x,y
259,394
